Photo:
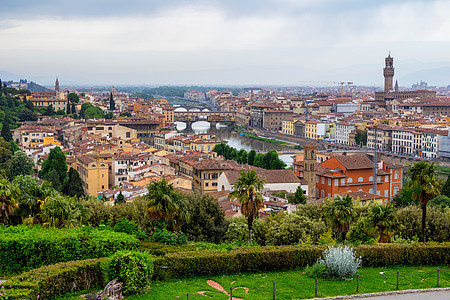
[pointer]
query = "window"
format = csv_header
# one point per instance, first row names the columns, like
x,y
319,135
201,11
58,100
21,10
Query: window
x,y
342,181
323,180
386,178
378,192
349,180
386,192
360,179
371,191
371,178
317,179
336,182
396,174
128,134
395,189
322,194
206,184
214,184
329,181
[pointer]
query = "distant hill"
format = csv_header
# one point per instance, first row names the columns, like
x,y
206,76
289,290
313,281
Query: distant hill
x,y
435,76
32,86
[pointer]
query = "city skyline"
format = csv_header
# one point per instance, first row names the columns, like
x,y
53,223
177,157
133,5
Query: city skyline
x,y
225,42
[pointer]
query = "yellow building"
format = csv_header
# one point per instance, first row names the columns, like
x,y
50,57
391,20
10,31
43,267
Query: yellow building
x,y
44,140
94,171
204,146
311,129
287,126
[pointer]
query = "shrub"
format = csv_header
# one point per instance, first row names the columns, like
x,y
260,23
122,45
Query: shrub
x,y
318,270
289,229
437,225
24,248
134,269
50,281
341,261
130,227
326,238
169,238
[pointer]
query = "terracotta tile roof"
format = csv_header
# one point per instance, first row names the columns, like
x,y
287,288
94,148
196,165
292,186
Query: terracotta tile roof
x,y
269,176
354,162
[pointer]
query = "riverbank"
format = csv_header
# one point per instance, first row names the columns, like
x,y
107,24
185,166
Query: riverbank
x,y
243,131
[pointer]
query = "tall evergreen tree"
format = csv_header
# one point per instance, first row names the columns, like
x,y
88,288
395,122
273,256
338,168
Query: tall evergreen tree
x,y
74,185
74,111
1,93
53,177
251,157
112,104
56,160
68,108
6,132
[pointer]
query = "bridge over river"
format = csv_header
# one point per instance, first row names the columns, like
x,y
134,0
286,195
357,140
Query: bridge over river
x,y
213,117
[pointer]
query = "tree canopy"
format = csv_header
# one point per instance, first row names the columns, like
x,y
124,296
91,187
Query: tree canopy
x,y
54,168
247,191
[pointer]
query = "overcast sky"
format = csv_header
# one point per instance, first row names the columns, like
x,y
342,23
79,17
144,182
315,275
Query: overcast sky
x,y
221,42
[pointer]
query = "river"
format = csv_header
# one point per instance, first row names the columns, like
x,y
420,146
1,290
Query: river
x,y
235,140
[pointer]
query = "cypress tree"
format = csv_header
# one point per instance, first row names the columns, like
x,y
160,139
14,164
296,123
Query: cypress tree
x,y
112,104
6,131
74,185
74,111
68,108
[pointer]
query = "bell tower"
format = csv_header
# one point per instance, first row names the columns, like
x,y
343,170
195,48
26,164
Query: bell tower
x,y
388,73
309,172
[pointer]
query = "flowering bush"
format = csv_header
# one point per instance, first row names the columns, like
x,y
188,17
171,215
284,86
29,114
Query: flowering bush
x,y
134,269
341,261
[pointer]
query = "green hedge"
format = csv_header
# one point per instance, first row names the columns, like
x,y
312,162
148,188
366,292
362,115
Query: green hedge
x,y
416,254
161,249
270,258
51,281
25,248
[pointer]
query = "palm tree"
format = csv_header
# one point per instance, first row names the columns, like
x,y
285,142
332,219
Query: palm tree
x,y
164,203
8,199
382,216
247,191
425,187
341,211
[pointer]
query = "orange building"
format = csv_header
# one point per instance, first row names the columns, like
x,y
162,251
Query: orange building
x,y
343,174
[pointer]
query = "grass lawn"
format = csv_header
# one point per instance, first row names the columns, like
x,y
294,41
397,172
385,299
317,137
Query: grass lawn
x,y
443,171
287,287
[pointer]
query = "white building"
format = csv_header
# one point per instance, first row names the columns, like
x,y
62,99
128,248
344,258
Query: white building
x,y
402,141
342,132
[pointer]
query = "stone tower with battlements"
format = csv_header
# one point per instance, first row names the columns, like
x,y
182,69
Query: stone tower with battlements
x,y
310,169
388,73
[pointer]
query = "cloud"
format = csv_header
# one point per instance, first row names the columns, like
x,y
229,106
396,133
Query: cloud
x,y
141,37
182,29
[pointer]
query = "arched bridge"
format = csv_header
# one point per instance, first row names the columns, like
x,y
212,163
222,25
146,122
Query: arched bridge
x,y
213,117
